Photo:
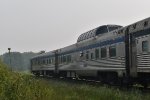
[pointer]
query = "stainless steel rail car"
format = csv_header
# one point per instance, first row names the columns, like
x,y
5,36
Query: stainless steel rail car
x,y
108,53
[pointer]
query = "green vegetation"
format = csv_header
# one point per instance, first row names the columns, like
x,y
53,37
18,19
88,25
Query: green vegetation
x,y
17,86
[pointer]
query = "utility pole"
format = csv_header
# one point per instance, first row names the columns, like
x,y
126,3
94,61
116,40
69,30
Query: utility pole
x,y
9,58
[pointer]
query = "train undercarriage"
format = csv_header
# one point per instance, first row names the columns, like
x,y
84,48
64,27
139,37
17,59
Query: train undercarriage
x,y
110,78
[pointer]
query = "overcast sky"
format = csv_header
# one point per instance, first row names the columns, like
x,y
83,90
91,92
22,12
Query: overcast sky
x,y
34,25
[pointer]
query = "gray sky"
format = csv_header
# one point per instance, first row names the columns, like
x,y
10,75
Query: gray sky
x,y
34,25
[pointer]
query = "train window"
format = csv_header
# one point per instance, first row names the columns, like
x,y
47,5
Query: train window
x,y
61,59
87,55
64,58
145,23
134,26
68,58
58,59
92,56
43,61
96,53
88,35
47,61
51,60
103,52
112,51
38,62
101,30
81,54
145,46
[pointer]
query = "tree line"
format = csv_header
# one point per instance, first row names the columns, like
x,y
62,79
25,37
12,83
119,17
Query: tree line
x,y
18,61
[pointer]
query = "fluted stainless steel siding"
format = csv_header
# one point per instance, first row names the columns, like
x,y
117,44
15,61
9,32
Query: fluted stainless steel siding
x,y
143,62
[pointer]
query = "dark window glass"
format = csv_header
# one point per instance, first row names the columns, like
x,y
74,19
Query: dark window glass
x,y
58,59
92,56
38,62
81,54
47,61
112,51
145,23
87,55
134,26
102,29
96,53
61,59
51,60
145,46
103,52
69,58
64,58
113,28
43,61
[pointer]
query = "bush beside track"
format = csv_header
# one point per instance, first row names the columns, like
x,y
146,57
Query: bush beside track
x,y
19,86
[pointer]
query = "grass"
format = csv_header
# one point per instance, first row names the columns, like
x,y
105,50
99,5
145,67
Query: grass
x,y
19,86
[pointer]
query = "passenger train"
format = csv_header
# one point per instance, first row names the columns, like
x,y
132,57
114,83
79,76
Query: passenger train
x,y
109,53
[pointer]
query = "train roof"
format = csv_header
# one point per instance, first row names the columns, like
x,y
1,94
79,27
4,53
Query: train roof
x,y
97,31
51,53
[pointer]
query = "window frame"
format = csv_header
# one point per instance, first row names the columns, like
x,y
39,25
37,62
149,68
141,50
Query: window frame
x,y
97,53
63,57
103,53
147,48
87,55
92,55
111,52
